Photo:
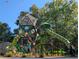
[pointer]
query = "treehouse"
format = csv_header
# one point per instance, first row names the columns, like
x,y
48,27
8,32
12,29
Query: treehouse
x,y
27,24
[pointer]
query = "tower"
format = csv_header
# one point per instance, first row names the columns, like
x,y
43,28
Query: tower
x,y
27,24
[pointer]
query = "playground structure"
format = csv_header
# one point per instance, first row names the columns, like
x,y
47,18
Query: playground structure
x,y
27,37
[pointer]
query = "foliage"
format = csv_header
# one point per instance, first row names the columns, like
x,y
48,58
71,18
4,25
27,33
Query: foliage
x,y
61,17
5,33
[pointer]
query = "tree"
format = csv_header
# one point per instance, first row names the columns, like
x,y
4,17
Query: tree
x,y
5,33
62,16
34,10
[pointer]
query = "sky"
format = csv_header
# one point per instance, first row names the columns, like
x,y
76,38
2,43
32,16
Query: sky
x,y
10,9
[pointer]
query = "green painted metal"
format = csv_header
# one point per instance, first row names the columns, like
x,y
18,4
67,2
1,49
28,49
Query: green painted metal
x,y
56,35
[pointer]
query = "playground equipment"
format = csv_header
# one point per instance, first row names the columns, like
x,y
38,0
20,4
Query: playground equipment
x,y
28,25
63,39
25,37
47,29
23,44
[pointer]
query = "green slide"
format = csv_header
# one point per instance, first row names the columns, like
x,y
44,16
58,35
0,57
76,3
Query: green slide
x,y
54,34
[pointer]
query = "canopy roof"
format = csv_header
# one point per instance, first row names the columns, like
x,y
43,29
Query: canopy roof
x,y
28,20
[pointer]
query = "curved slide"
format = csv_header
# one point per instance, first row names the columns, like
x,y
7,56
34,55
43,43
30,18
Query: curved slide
x,y
54,34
